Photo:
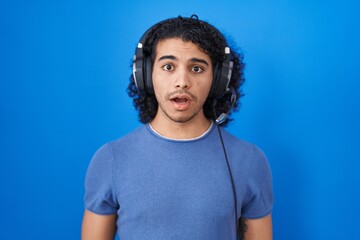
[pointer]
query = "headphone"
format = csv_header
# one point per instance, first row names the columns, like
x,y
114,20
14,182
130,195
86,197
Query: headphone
x,y
142,69
142,74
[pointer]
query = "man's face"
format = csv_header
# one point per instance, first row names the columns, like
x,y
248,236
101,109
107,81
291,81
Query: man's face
x,y
182,77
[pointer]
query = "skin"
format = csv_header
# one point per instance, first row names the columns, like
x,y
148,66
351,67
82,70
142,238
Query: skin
x,y
259,229
98,227
182,76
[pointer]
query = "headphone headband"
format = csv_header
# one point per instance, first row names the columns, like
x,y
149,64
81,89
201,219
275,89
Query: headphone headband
x,y
142,68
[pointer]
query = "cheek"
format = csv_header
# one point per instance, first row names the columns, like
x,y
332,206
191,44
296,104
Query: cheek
x,y
155,80
208,84
158,79
159,89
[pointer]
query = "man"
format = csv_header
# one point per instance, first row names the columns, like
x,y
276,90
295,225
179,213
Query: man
x,y
181,175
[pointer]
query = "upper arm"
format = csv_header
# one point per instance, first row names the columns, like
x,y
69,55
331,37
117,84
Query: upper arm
x,y
98,227
259,229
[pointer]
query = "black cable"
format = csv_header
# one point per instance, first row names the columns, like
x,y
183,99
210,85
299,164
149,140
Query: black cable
x,y
230,173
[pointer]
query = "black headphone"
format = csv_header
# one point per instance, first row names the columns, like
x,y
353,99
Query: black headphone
x,y
142,69
142,74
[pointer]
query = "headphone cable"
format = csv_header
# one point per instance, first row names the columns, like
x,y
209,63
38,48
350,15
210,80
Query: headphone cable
x,y
230,173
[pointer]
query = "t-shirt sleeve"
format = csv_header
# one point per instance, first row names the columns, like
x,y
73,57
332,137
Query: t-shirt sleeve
x,y
99,192
260,199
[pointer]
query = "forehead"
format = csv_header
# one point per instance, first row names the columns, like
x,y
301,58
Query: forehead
x,y
180,48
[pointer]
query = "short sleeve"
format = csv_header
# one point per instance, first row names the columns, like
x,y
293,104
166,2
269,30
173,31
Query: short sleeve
x,y
260,199
99,196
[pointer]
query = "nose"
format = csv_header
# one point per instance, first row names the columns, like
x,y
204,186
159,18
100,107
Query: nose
x,y
182,80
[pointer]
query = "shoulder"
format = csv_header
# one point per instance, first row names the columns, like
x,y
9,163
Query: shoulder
x,y
252,173
131,138
246,156
233,142
105,151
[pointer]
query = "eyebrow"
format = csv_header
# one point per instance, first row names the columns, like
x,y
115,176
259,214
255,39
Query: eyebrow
x,y
200,61
195,60
171,57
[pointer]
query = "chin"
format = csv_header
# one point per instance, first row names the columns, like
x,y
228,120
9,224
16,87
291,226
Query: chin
x,y
183,118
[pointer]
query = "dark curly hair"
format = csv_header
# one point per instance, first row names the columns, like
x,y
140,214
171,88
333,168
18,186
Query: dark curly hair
x,y
212,42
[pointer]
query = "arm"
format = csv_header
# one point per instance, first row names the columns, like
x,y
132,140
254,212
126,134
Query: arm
x,y
98,227
259,229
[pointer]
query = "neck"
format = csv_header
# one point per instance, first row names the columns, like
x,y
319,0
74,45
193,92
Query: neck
x,y
181,130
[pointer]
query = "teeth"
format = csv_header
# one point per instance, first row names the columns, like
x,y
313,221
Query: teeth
x,y
181,100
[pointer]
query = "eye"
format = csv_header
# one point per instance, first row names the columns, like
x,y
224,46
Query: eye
x,y
168,67
197,69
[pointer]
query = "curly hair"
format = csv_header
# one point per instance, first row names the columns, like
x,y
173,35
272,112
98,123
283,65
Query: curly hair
x,y
212,42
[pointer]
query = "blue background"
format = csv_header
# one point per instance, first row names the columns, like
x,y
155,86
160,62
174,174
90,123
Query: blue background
x,y
64,67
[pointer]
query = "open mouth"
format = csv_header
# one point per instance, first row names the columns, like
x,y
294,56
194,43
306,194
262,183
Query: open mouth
x,y
180,100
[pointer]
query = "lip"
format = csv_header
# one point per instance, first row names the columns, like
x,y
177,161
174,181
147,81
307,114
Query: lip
x,y
181,102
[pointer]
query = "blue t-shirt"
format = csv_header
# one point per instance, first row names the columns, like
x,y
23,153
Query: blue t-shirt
x,y
163,188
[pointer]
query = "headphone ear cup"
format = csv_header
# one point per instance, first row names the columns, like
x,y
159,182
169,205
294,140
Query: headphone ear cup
x,y
148,76
223,80
222,76
215,82
138,74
